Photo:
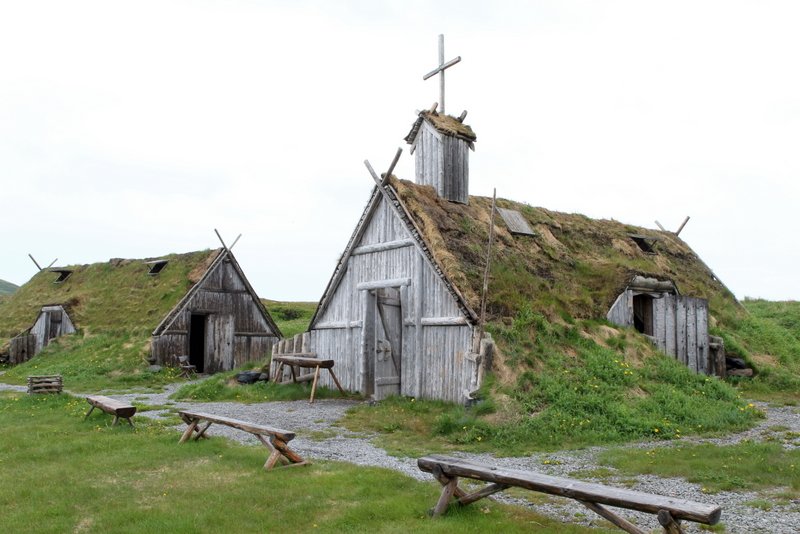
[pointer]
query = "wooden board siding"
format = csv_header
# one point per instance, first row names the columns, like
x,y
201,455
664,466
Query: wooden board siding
x,y
680,326
236,331
442,161
439,369
52,322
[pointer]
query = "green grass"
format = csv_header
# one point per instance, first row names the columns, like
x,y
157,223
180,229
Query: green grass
x,y
60,473
291,317
223,387
744,466
96,362
567,390
769,339
7,288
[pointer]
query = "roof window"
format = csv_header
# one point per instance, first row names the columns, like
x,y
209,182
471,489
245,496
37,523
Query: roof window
x,y
645,243
156,266
515,222
63,274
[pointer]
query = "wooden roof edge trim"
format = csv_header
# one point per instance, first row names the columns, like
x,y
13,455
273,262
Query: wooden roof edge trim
x,y
341,265
416,234
260,305
170,317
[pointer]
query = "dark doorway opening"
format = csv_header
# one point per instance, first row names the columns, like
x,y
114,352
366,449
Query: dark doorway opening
x,y
197,342
643,314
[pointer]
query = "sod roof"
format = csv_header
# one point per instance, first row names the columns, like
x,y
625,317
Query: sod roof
x,y
574,265
443,123
114,296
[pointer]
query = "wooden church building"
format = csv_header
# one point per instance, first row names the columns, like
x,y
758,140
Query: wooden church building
x,y
197,304
400,315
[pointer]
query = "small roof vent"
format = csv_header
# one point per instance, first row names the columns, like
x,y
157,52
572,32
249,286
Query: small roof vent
x,y
63,274
516,222
156,266
645,243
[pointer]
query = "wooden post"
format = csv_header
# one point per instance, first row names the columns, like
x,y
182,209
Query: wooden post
x,y
660,227
36,263
671,526
482,318
686,220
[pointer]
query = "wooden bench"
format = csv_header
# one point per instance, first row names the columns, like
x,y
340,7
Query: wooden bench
x,y
111,406
45,384
307,361
669,511
275,439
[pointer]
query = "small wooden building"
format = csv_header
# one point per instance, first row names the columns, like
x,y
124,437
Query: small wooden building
x,y
53,321
198,304
677,324
220,323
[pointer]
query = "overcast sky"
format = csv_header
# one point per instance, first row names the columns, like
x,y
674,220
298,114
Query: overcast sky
x,y
134,129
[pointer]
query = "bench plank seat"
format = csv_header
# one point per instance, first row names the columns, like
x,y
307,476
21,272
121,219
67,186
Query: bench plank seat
x,y
275,439
111,406
448,469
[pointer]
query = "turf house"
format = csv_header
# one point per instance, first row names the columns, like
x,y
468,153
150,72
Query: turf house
x,y
198,304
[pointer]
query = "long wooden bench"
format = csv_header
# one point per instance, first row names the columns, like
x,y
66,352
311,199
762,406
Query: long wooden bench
x,y
669,511
275,439
111,406
306,361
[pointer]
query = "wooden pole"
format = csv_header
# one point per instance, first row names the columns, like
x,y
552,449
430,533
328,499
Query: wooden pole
x,y
220,239
660,227
482,318
34,261
235,241
391,167
52,263
686,220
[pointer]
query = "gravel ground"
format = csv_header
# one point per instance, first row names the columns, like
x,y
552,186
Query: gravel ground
x,y
319,437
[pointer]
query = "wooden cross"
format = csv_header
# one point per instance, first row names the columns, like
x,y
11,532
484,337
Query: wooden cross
x,y
440,71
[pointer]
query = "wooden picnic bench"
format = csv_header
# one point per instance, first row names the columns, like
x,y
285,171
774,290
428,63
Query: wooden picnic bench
x,y
111,406
669,511
275,439
306,361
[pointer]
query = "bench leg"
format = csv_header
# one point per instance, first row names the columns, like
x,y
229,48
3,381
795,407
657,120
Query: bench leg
x,y
130,422
116,420
444,499
481,493
605,513
201,433
336,381
670,524
188,432
314,384
87,413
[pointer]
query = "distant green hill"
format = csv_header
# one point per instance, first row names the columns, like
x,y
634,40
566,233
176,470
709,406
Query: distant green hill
x,y
6,288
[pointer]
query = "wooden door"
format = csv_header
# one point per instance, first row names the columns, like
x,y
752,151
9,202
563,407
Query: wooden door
x,y
219,343
388,343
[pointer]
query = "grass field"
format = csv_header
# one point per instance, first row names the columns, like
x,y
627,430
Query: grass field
x,y
60,473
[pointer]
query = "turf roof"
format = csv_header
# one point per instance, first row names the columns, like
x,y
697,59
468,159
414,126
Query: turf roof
x,y
114,296
574,265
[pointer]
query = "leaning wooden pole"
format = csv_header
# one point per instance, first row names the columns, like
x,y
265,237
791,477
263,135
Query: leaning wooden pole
x,y
482,317
36,263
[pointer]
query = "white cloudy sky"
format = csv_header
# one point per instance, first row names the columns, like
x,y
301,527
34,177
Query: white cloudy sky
x,y
134,129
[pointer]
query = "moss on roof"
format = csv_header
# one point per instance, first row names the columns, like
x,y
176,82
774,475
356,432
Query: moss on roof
x,y
574,265
443,123
115,296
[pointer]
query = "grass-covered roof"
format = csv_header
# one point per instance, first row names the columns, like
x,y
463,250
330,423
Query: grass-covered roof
x,y
574,266
118,295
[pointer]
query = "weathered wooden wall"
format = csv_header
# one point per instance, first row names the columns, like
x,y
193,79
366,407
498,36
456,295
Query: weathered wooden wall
x,y
680,327
436,336
52,322
236,331
442,161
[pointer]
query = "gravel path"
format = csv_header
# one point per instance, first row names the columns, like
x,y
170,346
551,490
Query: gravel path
x,y
319,437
